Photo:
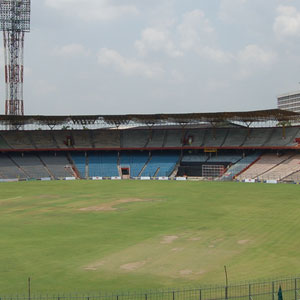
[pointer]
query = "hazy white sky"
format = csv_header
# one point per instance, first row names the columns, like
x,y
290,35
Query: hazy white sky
x,y
152,56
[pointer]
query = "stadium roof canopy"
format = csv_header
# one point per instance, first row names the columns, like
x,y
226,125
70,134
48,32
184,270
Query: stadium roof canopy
x,y
246,117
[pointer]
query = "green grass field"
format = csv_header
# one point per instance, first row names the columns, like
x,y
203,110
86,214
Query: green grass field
x,y
112,235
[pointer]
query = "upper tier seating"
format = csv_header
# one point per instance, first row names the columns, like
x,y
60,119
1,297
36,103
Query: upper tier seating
x,y
156,139
164,163
258,137
215,137
106,138
103,164
277,137
3,143
9,170
134,161
57,164
17,139
79,160
265,163
135,138
174,138
197,135
42,139
236,137
82,139
31,165
240,166
284,169
61,138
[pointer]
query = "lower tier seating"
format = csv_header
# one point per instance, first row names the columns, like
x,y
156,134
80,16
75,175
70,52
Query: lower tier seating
x,y
267,162
57,164
134,161
241,165
9,170
103,164
79,160
284,169
161,164
31,165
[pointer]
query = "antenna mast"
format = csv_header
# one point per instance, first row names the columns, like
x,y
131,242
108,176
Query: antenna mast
x,y
14,22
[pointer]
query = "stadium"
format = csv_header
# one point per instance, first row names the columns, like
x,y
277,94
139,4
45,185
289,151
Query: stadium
x,y
219,146
137,203
186,206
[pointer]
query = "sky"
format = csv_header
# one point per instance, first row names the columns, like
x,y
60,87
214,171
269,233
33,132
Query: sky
x,y
159,56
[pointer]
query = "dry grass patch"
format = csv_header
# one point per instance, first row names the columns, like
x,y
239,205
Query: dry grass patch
x,y
110,206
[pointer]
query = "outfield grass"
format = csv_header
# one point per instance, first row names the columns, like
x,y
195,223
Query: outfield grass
x,y
182,234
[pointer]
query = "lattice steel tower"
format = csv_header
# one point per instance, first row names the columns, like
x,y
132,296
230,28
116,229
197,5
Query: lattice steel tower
x,y
14,22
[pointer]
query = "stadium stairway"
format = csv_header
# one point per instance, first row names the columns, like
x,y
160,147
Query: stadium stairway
x,y
46,167
146,164
240,166
79,160
58,164
161,164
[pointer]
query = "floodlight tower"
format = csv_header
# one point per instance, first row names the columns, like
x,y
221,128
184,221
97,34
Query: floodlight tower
x,y
14,22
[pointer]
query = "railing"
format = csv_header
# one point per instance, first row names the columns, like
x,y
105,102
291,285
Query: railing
x,y
265,290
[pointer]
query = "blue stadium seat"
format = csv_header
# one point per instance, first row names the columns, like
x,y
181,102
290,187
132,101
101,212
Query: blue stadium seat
x,y
165,162
134,161
103,164
79,160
